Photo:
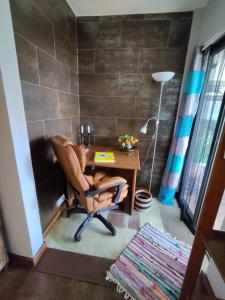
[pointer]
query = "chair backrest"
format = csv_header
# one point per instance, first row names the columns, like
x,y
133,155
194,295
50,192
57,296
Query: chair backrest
x,y
73,161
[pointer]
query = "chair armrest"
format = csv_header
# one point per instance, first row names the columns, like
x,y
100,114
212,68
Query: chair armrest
x,y
113,182
110,182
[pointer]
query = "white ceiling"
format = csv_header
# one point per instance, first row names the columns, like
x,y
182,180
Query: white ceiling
x,y
120,7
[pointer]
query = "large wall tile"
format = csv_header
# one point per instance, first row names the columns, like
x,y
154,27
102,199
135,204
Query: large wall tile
x,y
162,147
68,105
92,35
144,175
179,33
105,141
27,60
30,23
65,51
58,126
62,16
48,192
133,126
149,34
99,84
40,103
166,129
75,127
36,136
138,85
100,126
45,34
159,16
86,61
107,106
52,73
146,107
74,83
116,60
167,59
101,19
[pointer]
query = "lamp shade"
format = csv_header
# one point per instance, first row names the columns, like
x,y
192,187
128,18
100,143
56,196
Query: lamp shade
x,y
163,76
144,129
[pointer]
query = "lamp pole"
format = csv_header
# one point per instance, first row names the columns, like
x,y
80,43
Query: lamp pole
x,y
156,134
161,77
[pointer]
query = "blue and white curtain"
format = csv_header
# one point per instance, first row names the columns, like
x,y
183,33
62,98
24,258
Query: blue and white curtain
x,y
188,108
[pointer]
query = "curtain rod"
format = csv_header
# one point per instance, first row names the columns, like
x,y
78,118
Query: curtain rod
x,y
213,40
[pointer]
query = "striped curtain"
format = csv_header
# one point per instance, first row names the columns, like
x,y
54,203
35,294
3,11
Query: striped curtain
x,y
3,253
188,108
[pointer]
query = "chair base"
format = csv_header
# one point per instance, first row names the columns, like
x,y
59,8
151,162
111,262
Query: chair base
x,y
90,216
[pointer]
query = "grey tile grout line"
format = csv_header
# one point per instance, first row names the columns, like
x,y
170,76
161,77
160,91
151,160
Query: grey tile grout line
x,y
52,119
116,126
134,109
47,87
71,128
39,81
70,81
128,48
130,96
168,39
58,104
79,106
116,73
54,40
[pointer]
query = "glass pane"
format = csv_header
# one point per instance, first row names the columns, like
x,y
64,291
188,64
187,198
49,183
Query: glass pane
x,y
204,129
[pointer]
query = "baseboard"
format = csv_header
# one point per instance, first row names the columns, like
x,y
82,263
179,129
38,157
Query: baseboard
x,y
39,253
27,262
56,217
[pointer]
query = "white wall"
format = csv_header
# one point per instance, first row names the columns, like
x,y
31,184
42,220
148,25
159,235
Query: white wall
x,y
213,21
18,199
208,24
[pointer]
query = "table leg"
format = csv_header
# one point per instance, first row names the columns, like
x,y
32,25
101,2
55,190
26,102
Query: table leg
x,y
133,189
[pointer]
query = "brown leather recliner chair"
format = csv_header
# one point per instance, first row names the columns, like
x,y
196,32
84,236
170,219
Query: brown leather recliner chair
x,y
94,194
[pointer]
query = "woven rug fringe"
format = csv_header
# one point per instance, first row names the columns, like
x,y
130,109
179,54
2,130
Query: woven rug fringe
x,y
119,288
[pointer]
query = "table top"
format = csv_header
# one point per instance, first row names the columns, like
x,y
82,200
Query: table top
x,y
123,160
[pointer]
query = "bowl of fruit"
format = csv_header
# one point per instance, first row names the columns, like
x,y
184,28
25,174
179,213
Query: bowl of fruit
x,y
127,142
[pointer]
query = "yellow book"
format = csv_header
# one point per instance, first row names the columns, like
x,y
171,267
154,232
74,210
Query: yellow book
x,y
104,157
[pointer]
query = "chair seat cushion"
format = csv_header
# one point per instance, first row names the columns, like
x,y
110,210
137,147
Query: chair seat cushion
x,y
108,195
104,196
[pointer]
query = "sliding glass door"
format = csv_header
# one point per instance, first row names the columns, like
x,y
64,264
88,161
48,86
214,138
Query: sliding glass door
x,y
207,127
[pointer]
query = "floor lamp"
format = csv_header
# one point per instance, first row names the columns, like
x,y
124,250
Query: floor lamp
x,y
161,77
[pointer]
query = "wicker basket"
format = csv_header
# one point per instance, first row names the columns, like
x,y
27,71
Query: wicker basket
x,y
143,200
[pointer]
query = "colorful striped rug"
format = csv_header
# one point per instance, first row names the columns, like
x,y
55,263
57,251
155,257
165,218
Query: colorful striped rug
x,y
151,267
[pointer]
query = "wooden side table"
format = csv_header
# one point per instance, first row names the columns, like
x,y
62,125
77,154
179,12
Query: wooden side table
x,y
126,165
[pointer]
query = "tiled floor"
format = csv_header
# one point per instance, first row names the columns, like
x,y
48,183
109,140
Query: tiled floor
x,y
170,216
98,241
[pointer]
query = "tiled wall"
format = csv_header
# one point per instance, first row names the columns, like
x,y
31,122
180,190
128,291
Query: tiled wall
x,y
45,35
117,55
